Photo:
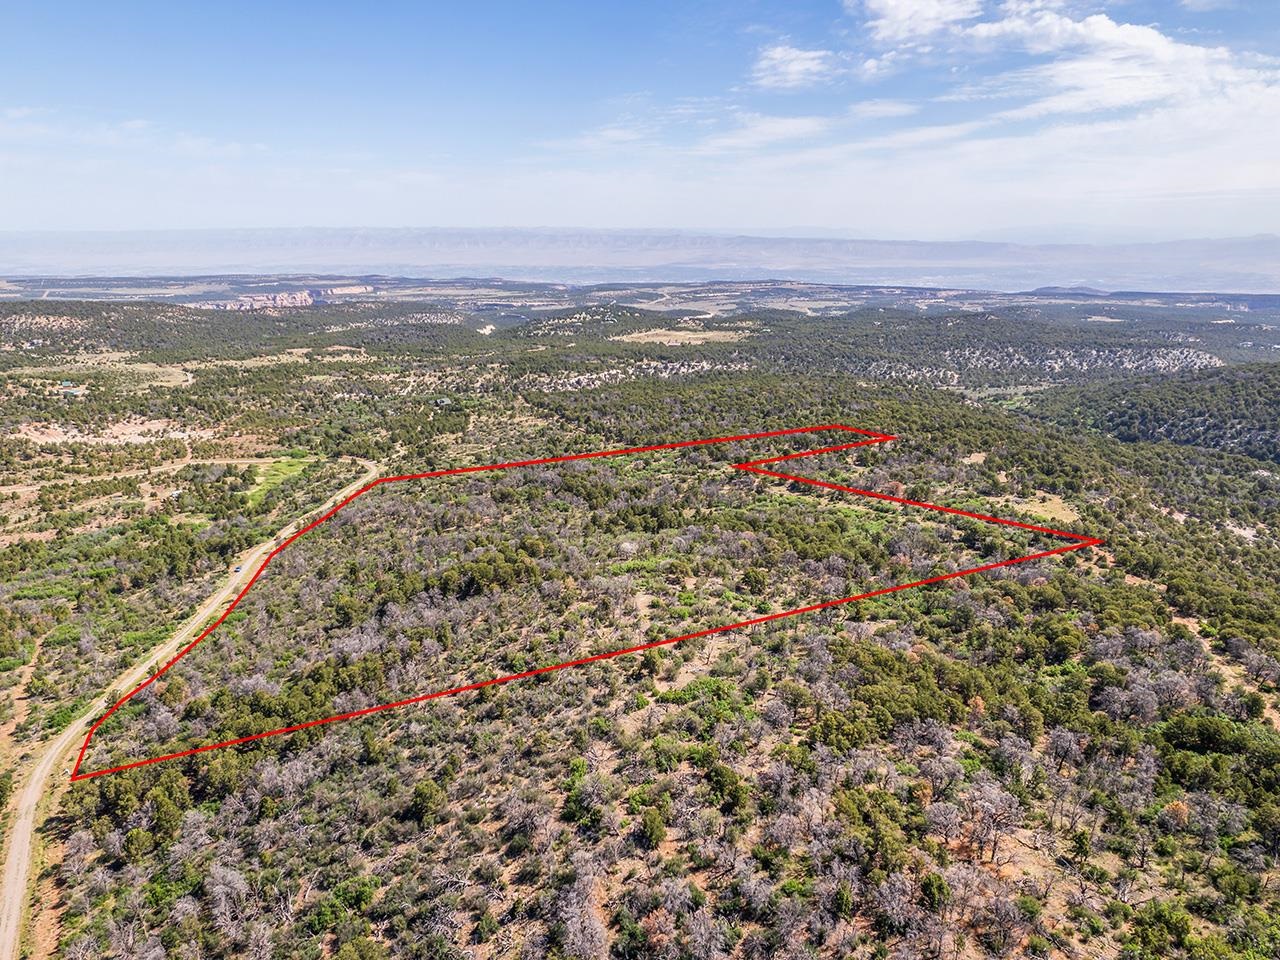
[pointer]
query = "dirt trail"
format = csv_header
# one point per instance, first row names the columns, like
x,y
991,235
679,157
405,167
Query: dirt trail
x,y
36,785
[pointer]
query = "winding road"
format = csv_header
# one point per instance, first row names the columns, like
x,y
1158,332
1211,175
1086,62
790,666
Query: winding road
x,y
33,788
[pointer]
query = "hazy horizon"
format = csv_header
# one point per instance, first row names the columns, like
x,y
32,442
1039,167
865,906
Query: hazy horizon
x,y
586,255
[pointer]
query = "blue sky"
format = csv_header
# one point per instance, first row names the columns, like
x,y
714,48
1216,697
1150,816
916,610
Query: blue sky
x,y
926,119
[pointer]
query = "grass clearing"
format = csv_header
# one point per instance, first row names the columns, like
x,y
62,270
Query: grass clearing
x,y
272,475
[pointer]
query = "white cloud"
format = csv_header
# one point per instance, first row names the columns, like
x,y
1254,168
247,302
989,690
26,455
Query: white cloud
x,y
1103,122
900,21
873,68
784,67
1098,65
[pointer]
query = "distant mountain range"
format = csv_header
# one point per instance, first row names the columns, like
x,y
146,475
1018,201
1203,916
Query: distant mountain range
x,y
1244,264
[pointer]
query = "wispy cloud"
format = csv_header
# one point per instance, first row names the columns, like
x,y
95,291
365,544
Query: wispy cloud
x,y
784,67
41,128
882,109
625,132
19,113
755,130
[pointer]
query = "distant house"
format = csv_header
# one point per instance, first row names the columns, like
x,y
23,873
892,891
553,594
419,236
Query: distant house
x,y
442,402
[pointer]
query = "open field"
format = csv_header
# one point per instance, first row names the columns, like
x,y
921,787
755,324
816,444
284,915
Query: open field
x,y
677,336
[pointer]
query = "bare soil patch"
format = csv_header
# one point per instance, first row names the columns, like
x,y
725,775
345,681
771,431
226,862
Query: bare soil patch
x,y
124,432
1048,506
682,337
116,362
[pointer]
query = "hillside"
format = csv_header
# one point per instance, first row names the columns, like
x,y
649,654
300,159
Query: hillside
x,y
1232,408
1075,756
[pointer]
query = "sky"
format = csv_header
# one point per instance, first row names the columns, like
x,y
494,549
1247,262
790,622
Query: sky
x,y
1026,120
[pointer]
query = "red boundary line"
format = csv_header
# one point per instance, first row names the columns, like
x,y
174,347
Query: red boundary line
x,y
754,466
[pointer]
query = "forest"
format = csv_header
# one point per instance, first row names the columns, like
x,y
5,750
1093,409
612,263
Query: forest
x,y
1076,756
1234,408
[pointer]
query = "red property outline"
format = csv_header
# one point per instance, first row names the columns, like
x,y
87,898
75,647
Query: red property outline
x,y
1079,541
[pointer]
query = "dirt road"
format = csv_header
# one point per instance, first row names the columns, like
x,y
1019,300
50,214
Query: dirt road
x,y
32,788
